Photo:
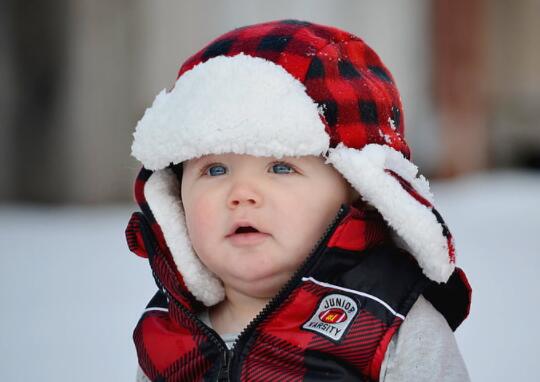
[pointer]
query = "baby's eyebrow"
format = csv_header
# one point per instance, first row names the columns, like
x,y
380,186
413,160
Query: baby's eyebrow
x,y
194,163
199,159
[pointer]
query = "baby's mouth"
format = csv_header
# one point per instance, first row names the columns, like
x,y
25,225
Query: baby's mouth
x,y
247,236
241,230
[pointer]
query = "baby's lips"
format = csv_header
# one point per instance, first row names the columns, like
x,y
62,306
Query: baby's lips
x,y
239,224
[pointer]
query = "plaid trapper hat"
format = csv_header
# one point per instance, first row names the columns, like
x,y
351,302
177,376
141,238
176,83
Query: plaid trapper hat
x,y
287,88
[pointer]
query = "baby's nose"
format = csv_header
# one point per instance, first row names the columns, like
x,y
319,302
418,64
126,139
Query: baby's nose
x,y
244,195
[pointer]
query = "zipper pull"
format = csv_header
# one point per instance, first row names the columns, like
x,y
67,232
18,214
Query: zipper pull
x,y
225,367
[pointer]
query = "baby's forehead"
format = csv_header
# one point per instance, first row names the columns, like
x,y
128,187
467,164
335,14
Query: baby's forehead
x,y
253,158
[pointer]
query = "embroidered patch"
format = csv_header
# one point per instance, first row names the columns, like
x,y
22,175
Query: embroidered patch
x,y
333,316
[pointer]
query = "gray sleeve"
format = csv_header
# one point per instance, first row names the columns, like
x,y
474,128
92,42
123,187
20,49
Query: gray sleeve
x,y
423,349
141,377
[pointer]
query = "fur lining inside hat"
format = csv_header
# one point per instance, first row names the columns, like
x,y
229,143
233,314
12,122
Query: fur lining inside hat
x,y
240,104
162,194
412,221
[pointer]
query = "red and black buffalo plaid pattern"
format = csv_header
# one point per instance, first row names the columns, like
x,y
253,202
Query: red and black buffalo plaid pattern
x,y
343,75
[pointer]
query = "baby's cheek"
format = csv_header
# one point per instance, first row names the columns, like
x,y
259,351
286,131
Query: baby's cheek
x,y
202,217
297,241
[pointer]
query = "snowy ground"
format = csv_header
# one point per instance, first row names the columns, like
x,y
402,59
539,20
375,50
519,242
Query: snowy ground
x,y
71,292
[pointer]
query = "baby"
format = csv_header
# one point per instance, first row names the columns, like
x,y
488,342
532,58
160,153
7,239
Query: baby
x,y
288,233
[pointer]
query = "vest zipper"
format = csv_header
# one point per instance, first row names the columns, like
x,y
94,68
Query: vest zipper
x,y
224,374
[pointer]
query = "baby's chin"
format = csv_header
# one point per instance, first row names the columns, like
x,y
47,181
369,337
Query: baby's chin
x,y
259,284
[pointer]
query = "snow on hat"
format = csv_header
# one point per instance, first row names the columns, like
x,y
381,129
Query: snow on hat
x,y
287,88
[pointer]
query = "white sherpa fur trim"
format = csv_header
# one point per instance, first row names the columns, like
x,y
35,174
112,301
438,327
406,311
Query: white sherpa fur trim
x,y
240,104
162,194
413,222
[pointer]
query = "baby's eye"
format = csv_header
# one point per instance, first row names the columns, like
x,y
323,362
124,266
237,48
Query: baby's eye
x,y
214,170
282,168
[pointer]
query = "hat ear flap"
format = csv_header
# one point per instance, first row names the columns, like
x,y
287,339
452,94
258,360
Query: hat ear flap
x,y
163,196
389,182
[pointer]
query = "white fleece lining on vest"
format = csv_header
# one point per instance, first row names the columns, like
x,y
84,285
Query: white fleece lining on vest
x,y
412,221
162,195
240,104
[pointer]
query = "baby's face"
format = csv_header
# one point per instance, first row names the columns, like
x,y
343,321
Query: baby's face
x,y
290,201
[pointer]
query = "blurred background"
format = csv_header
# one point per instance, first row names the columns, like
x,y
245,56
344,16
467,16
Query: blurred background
x,y
76,77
